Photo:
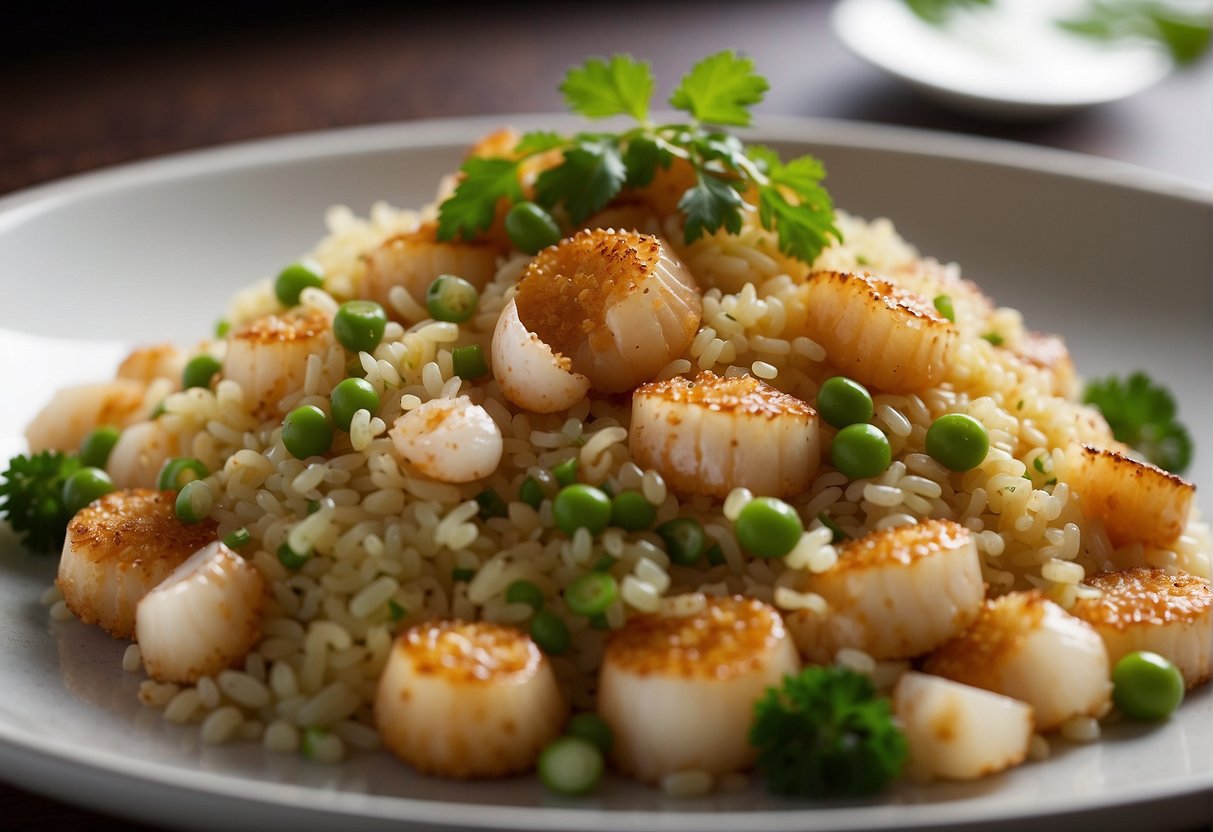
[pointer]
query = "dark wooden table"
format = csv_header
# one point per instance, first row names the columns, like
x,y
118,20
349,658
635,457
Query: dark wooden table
x,y
85,89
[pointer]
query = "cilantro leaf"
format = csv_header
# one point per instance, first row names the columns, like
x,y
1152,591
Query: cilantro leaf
x,y
720,89
592,175
938,12
539,141
805,226
1142,414
825,733
31,496
472,207
598,89
1184,34
708,206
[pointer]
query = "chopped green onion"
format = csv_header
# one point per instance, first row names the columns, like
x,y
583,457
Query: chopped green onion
x,y
237,538
491,504
994,338
570,766
194,501
565,472
592,593
291,559
943,304
172,471
396,611
836,530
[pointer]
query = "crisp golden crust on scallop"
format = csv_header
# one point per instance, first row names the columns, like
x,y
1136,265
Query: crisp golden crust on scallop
x,y
730,637
136,525
469,651
566,291
1137,501
282,329
1144,595
886,293
902,544
739,394
997,635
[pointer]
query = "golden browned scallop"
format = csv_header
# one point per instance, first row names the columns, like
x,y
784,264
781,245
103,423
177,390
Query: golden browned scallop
x,y
894,593
709,435
1048,353
268,357
147,364
1024,646
203,618
1148,609
460,699
118,549
1137,502
416,259
679,690
877,333
75,412
619,305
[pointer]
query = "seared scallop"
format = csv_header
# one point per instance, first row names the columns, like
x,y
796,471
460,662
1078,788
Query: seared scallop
x,y
118,549
619,305
147,364
1147,609
1026,647
268,357
959,732
461,699
75,412
203,618
710,435
877,333
415,260
139,454
894,593
679,690
1137,502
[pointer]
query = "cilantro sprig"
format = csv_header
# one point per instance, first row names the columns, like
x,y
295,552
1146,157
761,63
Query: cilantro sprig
x,y
1142,414
825,733
730,179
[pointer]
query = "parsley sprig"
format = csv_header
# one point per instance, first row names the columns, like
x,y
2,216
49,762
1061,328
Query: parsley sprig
x,y
31,496
1142,413
825,733
596,167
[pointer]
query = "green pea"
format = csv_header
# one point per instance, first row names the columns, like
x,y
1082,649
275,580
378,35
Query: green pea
x,y
570,766
294,279
591,727
359,324
684,538
993,337
861,451
566,472
348,397
632,512
468,362
96,447
222,328
958,441
84,486
549,632
306,432
194,502
581,506
176,472
309,743
592,593
237,538
530,492
291,559
1146,686
523,591
943,305
531,228
768,527
491,504
451,298
199,371
842,401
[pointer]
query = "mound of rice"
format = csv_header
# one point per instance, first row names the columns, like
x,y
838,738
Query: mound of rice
x,y
388,545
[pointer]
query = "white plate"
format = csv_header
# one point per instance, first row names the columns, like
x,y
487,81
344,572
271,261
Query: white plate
x,y
1115,258
1007,60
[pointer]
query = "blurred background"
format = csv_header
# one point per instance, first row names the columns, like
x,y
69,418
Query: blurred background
x,y
85,87
82,88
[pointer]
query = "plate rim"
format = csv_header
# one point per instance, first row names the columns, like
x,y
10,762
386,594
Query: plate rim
x,y
399,136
